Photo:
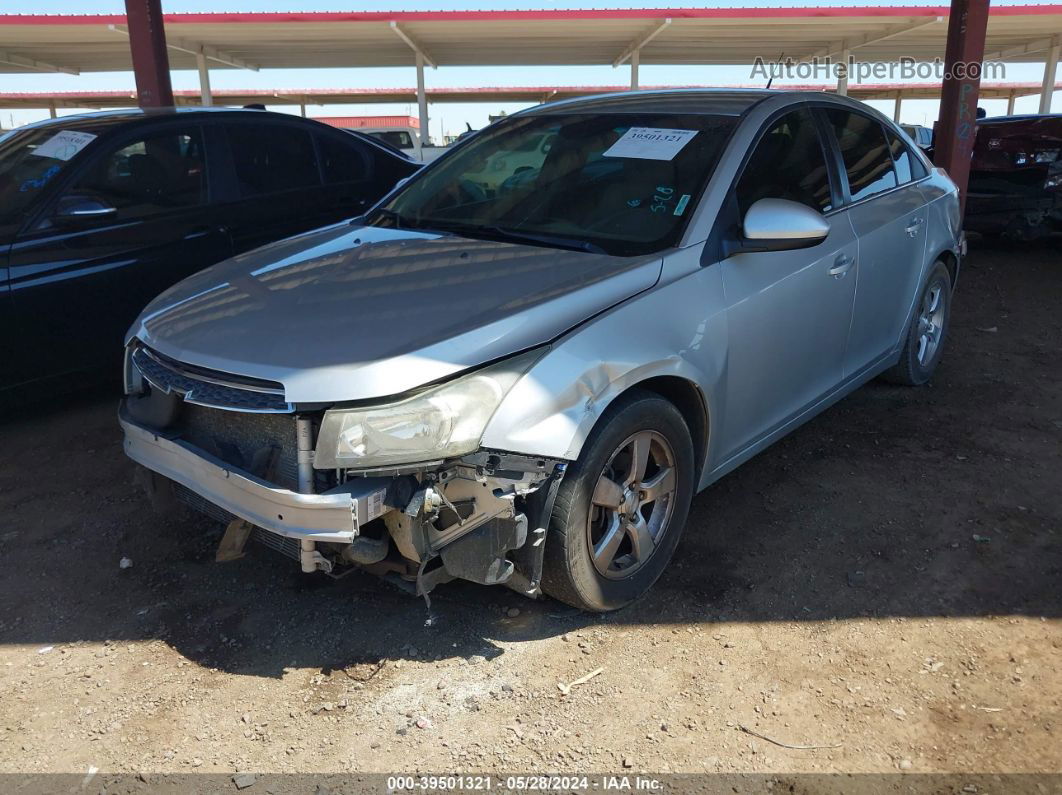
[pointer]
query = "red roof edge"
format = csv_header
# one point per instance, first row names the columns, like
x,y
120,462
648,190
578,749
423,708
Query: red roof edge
x,y
539,14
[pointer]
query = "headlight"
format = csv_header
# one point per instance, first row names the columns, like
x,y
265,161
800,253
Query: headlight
x,y
1047,156
1053,182
443,422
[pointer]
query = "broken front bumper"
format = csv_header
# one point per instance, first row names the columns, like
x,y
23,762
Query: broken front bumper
x,y
334,516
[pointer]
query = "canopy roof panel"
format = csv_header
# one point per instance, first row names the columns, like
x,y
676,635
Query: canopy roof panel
x,y
89,43
98,100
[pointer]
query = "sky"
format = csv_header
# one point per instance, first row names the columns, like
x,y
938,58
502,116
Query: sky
x,y
446,118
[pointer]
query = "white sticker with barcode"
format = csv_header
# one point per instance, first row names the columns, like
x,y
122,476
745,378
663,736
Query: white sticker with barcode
x,y
650,143
64,144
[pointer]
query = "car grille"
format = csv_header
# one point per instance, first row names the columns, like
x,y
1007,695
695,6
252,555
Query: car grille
x,y
207,387
237,437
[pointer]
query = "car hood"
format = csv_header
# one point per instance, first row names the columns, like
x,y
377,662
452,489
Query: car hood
x,y
352,312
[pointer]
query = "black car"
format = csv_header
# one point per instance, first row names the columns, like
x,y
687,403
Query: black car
x,y
100,213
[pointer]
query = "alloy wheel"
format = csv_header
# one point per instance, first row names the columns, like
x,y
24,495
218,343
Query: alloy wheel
x,y
931,322
632,505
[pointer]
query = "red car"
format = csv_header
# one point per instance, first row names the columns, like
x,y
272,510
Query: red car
x,y
1016,177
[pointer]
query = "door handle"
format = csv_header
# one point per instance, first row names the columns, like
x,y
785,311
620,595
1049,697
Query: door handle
x,y
913,227
203,231
841,266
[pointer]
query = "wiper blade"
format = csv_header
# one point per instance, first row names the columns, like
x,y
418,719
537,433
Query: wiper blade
x,y
512,235
555,241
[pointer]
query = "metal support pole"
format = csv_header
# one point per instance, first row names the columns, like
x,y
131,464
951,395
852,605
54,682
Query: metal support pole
x,y
51,109
957,125
1010,103
422,104
842,78
302,109
896,107
1047,89
635,60
151,63
206,98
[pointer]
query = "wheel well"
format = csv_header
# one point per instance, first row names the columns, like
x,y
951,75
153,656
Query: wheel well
x,y
688,399
951,262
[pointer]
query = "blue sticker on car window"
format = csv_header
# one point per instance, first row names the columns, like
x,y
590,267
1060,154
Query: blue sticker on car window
x,y
680,208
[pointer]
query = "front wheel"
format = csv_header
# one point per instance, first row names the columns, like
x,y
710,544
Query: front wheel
x,y
621,507
928,330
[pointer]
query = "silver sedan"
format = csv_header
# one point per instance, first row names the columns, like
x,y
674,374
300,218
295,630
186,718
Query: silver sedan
x,y
520,366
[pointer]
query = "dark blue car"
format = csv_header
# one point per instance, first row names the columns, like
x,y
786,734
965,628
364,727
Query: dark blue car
x,y
100,213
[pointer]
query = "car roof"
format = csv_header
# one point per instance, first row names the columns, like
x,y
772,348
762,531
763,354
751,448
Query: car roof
x,y
134,116
724,102
1019,117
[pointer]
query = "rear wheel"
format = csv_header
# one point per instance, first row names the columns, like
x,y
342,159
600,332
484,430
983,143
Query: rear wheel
x,y
622,506
927,332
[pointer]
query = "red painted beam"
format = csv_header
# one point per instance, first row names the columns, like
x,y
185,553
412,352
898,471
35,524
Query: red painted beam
x,y
151,62
956,128
537,14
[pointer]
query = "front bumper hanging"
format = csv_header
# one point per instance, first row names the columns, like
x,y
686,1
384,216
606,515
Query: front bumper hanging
x,y
333,516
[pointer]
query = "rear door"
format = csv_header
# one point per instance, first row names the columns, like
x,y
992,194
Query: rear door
x,y
887,211
134,220
273,182
352,181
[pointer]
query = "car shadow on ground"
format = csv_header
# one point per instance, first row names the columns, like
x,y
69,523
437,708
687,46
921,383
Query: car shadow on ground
x,y
940,501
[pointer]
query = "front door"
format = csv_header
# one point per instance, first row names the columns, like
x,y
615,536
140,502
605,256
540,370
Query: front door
x,y
788,311
134,222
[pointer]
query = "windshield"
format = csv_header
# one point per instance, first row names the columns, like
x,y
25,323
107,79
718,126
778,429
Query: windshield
x,y
622,184
30,159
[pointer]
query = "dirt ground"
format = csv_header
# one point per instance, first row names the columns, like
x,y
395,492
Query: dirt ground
x,y
886,582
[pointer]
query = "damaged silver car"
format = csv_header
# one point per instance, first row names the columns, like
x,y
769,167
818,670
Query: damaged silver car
x,y
524,380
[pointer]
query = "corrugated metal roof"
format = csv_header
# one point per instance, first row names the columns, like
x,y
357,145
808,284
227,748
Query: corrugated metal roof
x,y
30,42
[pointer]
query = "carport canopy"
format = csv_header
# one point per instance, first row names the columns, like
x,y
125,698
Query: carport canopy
x,y
723,36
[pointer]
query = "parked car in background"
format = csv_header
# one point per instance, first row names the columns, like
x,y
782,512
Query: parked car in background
x,y
99,213
528,387
405,139
1016,177
922,136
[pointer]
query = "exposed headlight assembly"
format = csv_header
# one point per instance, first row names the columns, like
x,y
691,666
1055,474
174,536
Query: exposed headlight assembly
x,y
443,422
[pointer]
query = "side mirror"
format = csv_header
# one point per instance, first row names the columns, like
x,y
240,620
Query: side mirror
x,y
780,225
82,208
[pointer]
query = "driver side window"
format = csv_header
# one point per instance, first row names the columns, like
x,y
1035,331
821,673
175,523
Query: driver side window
x,y
159,172
787,163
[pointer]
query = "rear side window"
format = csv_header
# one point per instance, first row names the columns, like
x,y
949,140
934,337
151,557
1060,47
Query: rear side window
x,y
159,172
272,158
399,139
901,158
867,159
341,161
788,163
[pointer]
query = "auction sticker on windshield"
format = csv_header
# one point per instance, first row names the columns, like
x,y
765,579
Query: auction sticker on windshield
x,y
64,144
650,143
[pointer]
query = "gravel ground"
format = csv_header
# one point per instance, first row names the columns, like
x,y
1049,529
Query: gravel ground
x,y
884,583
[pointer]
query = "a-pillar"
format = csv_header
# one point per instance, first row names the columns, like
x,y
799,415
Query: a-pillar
x,y
957,126
147,43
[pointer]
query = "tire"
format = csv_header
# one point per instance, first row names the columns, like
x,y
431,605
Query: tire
x,y
627,568
929,327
